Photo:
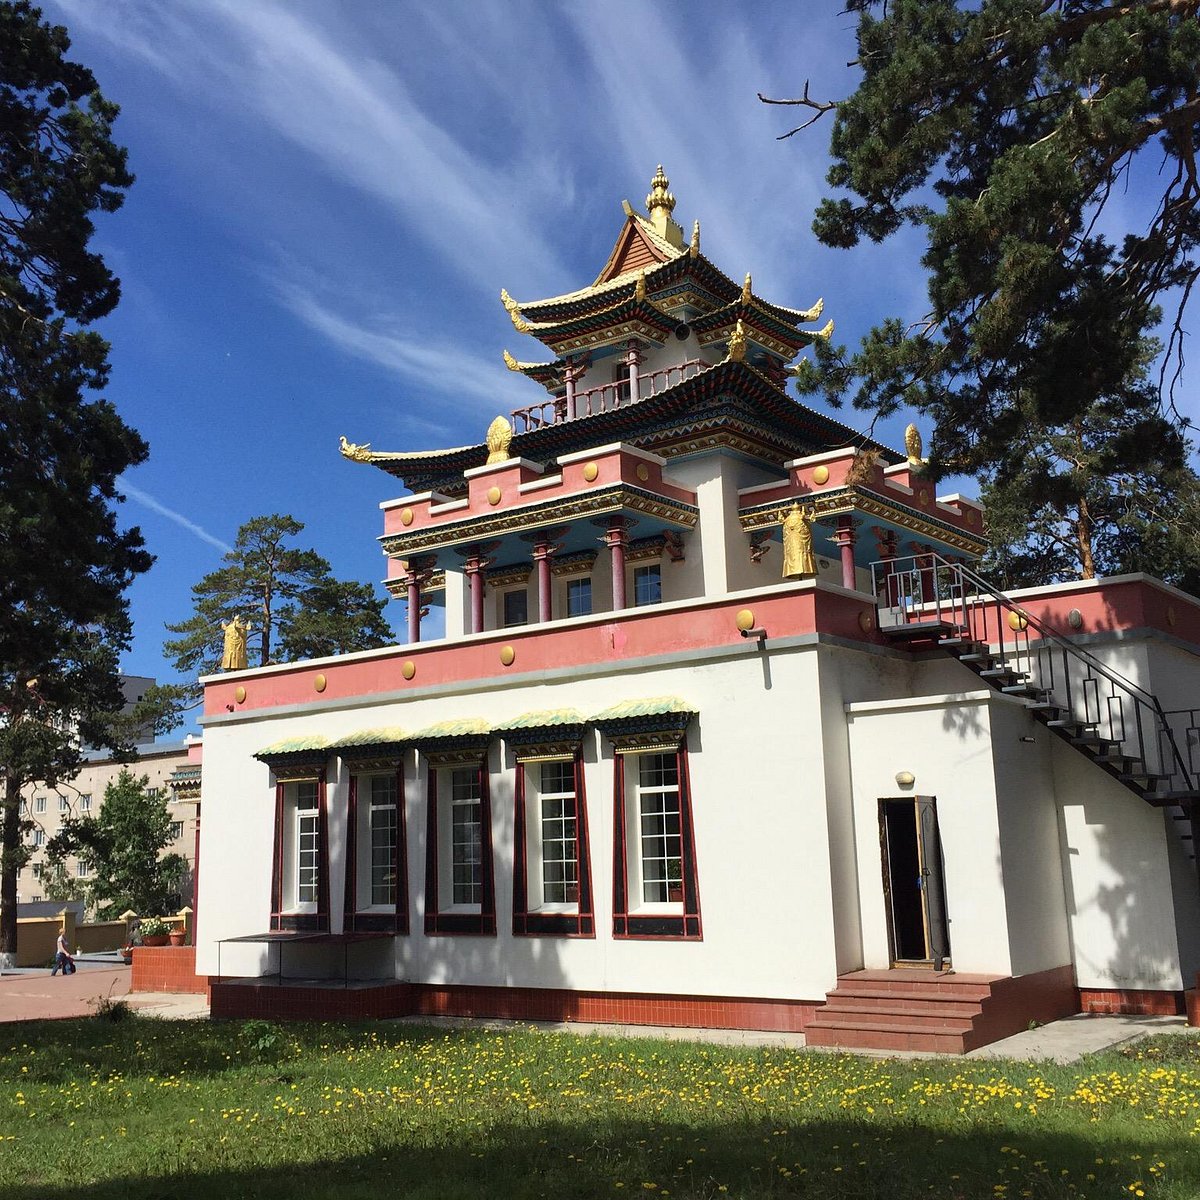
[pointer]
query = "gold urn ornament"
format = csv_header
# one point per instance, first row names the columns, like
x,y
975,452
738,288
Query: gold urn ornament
x,y
499,436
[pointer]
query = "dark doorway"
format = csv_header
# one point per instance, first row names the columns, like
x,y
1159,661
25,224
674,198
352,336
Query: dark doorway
x,y
913,882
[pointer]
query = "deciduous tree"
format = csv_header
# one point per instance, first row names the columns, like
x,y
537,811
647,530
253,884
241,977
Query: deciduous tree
x,y
65,563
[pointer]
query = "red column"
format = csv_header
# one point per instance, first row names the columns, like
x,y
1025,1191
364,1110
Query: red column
x,y
541,555
413,580
570,374
616,539
844,539
634,360
475,566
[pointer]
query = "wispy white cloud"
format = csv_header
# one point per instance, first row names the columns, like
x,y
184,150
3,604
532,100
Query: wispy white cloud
x,y
145,499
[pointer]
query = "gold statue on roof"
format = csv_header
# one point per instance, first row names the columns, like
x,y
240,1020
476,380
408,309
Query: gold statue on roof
x,y
694,248
233,657
746,293
798,560
737,344
912,446
499,436
354,452
514,311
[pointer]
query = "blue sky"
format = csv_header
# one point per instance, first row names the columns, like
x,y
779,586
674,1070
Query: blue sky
x,y
331,195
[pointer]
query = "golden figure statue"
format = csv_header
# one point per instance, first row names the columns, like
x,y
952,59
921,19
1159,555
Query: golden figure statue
x,y
355,452
798,560
499,435
737,344
912,446
234,658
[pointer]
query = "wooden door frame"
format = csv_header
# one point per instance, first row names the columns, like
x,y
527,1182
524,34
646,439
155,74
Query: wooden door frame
x,y
929,962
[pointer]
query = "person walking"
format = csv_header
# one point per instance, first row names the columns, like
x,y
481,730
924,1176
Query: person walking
x,y
62,957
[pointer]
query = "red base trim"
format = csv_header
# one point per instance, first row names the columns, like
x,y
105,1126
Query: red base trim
x,y
247,998
1132,1001
166,969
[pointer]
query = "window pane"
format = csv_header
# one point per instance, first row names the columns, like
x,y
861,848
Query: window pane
x,y
647,584
579,597
306,856
383,853
516,608
661,845
466,838
560,850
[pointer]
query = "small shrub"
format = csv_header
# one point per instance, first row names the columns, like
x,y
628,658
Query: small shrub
x,y
106,1008
259,1038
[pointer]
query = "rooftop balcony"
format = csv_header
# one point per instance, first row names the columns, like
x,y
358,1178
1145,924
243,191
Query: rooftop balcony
x,y
556,409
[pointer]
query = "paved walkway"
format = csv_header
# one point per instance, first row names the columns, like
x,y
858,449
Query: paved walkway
x,y
32,994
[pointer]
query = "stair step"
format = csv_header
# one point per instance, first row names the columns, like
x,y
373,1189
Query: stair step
x,y
1000,672
976,656
1027,690
898,1038
1148,776
876,1018
965,993
1069,723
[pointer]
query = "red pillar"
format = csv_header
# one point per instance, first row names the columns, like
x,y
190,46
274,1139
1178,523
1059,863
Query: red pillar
x,y
475,574
616,539
844,539
541,555
570,374
413,580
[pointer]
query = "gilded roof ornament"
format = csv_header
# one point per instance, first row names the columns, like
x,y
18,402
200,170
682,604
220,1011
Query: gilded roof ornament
x,y
355,453
499,436
514,311
639,291
510,362
912,446
824,333
694,248
811,314
659,196
746,293
737,344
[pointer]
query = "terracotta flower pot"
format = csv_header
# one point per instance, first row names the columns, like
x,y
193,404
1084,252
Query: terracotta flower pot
x,y
155,939
177,937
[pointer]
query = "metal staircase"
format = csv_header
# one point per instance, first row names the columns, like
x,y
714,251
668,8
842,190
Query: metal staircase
x,y
1122,728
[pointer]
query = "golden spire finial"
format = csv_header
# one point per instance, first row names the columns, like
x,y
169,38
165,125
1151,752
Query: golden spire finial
x,y
737,344
694,248
499,435
639,289
514,311
912,446
660,204
746,289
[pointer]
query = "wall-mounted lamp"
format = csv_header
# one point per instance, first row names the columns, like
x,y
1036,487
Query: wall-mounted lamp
x,y
905,779
760,634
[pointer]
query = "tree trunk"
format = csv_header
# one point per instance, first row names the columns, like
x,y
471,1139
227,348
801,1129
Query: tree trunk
x,y
1083,540
266,626
10,846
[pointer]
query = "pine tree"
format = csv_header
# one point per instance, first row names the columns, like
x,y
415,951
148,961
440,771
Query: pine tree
x,y
65,563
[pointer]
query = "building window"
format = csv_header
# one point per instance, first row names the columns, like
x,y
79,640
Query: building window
x,y
579,596
39,804
307,847
656,804
377,883
647,584
85,804
516,607
38,868
460,894
655,883
557,833
299,884
83,869
39,837
466,837
176,830
64,805
153,793
24,806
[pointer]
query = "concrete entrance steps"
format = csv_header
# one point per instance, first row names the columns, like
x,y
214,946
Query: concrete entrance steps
x,y
911,1009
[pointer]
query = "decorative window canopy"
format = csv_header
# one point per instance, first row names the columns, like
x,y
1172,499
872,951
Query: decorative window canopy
x,y
372,749
544,735
657,723
448,742
296,757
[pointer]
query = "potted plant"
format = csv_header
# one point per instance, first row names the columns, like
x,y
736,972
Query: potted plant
x,y
674,880
177,936
127,955
155,931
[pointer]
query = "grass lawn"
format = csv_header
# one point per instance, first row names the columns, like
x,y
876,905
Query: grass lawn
x,y
141,1108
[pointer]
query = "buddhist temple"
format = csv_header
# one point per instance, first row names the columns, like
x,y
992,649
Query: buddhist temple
x,y
724,729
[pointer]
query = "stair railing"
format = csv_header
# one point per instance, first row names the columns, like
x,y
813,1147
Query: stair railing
x,y
928,589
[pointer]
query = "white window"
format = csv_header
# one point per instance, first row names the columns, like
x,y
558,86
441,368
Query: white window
x,y
552,847
39,804
39,837
153,793
579,596
176,830
378,818
460,807
64,805
85,804
647,584
24,806
83,869
38,868
302,853
655,852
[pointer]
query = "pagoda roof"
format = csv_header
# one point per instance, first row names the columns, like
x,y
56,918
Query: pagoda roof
x,y
732,403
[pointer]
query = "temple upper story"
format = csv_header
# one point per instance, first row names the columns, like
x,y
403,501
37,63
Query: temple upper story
x,y
661,460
